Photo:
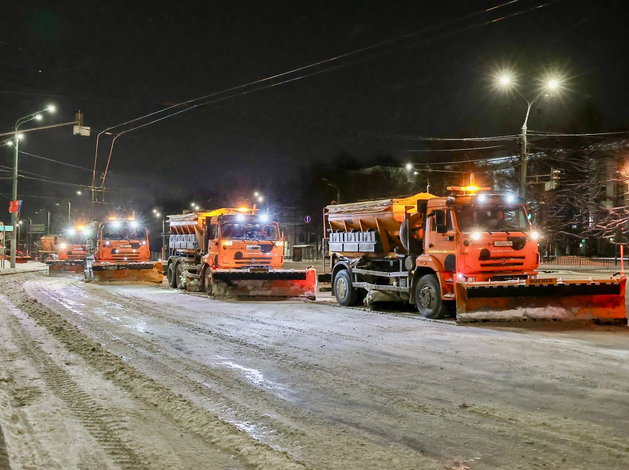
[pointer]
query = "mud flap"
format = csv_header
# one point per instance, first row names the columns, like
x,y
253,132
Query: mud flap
x,y
274,283
128,272
602,301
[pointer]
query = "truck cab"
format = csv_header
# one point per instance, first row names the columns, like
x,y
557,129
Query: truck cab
x,y
477,238
72,244
243,241
122,240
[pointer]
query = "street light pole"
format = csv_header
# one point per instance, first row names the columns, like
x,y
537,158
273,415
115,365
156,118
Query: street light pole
x,y
506,81
34,116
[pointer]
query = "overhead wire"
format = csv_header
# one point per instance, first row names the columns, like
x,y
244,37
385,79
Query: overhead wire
x,y
55,161
299,69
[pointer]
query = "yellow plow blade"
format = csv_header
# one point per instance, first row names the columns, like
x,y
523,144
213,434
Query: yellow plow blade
x,y
275,283
127,272
602,301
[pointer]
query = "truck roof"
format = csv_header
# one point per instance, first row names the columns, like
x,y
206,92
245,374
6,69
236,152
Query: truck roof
x,y
378,205
189,216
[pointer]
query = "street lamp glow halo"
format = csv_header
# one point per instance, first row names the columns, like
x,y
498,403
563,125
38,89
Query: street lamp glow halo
x,y
51,108
505,80
552,84
39,117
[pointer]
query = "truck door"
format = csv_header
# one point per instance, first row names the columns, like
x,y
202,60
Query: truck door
x,y
213,242
440,238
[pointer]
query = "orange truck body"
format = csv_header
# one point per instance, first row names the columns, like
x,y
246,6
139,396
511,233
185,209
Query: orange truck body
x,y
232,252
473,255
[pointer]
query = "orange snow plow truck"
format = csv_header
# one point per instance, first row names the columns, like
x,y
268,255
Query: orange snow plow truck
x,y
121,253
234,253
473,255
65,253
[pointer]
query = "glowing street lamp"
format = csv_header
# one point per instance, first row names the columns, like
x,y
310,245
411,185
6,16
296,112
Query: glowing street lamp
x,y
506,82
16,140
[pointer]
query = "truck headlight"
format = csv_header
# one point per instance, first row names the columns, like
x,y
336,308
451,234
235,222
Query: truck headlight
x,y
279,243
476,236
227,243
63,246
534,235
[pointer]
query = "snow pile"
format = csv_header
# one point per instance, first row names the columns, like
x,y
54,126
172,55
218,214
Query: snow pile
x,y
518,314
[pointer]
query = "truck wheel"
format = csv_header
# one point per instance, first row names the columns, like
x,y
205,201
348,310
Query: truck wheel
x,y
428,297
180,276
345,294
172,281
208,284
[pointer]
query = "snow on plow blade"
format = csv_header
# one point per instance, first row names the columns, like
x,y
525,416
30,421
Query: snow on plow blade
x,y
135,272
602,301
65,266
272,283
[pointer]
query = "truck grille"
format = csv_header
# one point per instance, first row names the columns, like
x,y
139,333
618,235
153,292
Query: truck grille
x,y
502,261
125,256
255,261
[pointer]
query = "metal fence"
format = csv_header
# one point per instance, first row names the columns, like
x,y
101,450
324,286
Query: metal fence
x,y
584,261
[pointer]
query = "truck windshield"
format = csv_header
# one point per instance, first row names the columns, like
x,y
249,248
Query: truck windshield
x,y
247,231
123,233
497,218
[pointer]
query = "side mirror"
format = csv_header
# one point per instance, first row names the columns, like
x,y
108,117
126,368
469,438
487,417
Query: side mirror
x,y
442,228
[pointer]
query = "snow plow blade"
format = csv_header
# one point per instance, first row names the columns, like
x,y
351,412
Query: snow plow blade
x,y
271,283
125,272
65,266
601,301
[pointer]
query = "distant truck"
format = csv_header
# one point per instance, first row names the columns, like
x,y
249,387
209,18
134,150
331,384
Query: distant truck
x,y
472,253
121,253
66,251
232,252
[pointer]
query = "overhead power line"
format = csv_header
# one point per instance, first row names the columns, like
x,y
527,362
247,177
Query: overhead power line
x,y
590,134
55,161
465,149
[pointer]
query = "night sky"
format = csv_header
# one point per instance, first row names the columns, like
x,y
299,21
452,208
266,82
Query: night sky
x,y
116,61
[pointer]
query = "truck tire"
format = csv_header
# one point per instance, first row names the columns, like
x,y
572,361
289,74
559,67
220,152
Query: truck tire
x,y
208,285
344,292
170,274
428,297
180,277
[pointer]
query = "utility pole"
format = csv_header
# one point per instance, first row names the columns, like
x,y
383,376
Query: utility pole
x,y
523,162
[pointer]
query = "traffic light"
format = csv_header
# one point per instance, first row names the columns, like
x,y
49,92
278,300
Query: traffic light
x,y
554,178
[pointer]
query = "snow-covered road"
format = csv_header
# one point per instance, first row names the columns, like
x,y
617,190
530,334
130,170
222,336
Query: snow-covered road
x,y
310,385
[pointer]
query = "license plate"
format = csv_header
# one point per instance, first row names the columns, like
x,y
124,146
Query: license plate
x,y
253,247
503,243
125,246
541,280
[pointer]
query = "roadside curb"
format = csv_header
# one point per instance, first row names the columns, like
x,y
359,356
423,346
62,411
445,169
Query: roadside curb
x,y
22,271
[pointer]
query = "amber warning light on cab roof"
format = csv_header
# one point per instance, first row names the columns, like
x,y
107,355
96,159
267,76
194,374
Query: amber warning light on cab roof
x,y
468,189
